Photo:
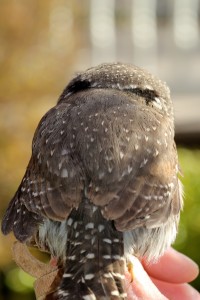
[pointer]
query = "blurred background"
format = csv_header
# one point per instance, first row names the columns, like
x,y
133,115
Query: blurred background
x,y
42,45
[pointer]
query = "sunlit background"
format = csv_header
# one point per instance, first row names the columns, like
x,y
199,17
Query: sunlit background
x,y
43,43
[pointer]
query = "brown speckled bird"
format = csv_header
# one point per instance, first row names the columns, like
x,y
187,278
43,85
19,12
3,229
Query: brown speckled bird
x,y
102,180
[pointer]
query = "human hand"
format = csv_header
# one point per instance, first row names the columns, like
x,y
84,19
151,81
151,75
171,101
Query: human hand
x,y
164,280
167,279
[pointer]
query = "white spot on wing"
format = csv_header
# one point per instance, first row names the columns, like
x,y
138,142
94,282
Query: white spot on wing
x,y
90,255
121,154
52,152
69,221
67,275
108,241
116,240
143,163
89,276
64,152
89,226
156,153
115,293
64,173
89,297
106,256
110,169
101,175
116,257
158,142
107,275
75,225
129,169
72,257
101,227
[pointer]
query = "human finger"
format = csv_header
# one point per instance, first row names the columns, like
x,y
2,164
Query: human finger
x,y
174,291
141,286
173,267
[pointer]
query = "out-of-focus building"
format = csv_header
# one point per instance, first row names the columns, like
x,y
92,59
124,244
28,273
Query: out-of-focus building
x,y
162,36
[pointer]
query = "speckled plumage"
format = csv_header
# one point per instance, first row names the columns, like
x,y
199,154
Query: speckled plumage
x,y
102,180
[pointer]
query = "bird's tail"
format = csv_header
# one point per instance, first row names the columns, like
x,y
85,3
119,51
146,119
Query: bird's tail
x,y
95,265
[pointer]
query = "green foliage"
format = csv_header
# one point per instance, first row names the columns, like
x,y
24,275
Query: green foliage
x,y
188,240
19,281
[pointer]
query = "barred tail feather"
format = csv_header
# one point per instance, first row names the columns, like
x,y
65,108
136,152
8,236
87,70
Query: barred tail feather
x,y
105,286
94,263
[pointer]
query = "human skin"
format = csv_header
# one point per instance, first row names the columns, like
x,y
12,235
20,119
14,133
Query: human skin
x,y
166,279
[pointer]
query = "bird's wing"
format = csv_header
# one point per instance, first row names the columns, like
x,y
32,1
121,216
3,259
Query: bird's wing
x,y
52,185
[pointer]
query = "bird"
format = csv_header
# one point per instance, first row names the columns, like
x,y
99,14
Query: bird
x,y
102,181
